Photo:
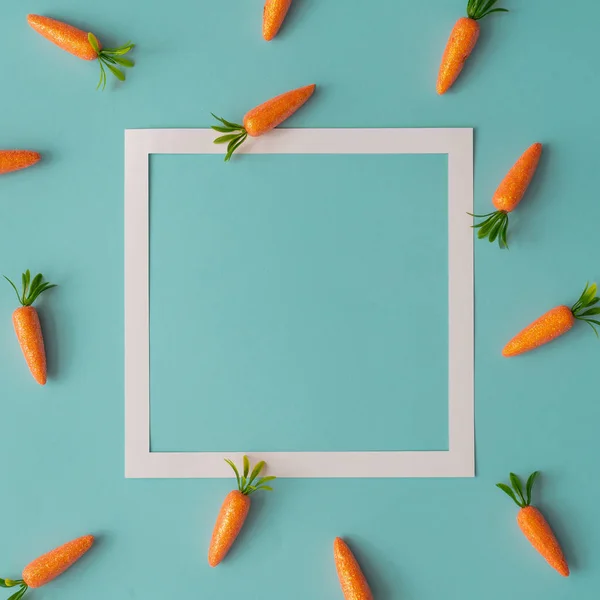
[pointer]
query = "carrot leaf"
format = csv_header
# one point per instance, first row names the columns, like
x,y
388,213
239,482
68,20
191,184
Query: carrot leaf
x,y
14,288
502,241
222,129
109,57
516,486
31,290
495,231
265,479
477,9
236,135
265,487
245,482
37,280
8,583
94,42
18,595
529,486
487,227
256,471
592,323
116,72
124,62
481,216
228,123
225,138
494,227
124,49
237,475
25,279
582,309
509,492
234,145
102,82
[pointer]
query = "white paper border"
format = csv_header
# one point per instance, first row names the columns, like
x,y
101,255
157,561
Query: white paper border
x,y
459,460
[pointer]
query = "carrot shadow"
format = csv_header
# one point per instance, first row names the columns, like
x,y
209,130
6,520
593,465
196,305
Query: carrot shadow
x,y
558,522
88,558
534,194
50,332
563,530
370,561
47,159
295,14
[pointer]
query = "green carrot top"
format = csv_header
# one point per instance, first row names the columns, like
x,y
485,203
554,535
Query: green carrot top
x,y
235,135
582,308
112,59
31,289
9,583
477,9
515,490
246,482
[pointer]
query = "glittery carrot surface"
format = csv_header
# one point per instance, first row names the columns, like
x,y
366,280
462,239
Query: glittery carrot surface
x,y
234,510
508,196
262,118
65,36
229,523
462,42
555,323
27,324
273,16
15,160
29,333
84,45
353,582
49,566
513,187
533,524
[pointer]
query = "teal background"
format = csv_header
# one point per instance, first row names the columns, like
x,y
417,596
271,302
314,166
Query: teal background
x,y
532,78
297,326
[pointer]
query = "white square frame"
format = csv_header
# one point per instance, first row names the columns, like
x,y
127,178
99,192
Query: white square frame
x,y
458,460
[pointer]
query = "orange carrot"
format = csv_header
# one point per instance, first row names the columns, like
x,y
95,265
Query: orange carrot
x,y
555,323
15,160
462,41
508,196
83,45
27,324
273,16
353,582
261,119
533,524
49,566
234,510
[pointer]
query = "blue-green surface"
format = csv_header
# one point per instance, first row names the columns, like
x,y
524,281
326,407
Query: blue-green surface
x,y
533,78
285,318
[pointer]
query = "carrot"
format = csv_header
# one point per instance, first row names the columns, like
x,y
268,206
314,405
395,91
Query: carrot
x,y
353,582
83,45
462,41
533,524
49,566
273,16
27,324
509,194
555,323
234,510
15,160
261,119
